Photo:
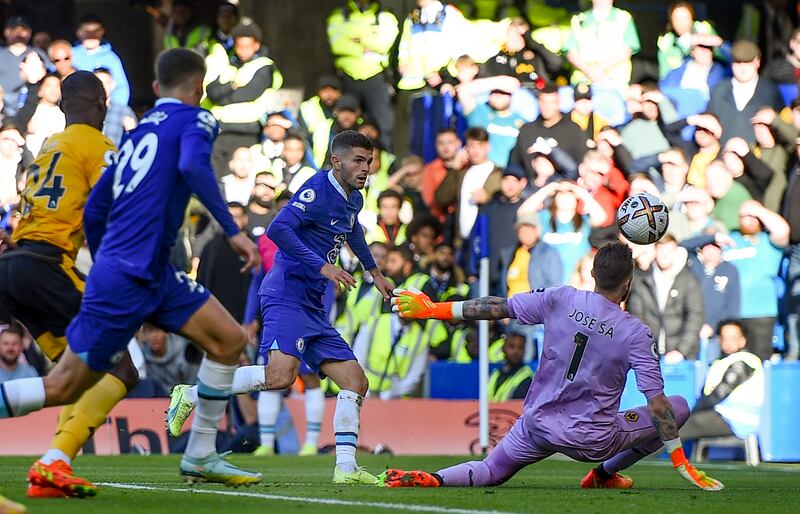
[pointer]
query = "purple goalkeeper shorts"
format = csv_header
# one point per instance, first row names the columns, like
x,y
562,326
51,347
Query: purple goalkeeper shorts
x,y
632,429
305,334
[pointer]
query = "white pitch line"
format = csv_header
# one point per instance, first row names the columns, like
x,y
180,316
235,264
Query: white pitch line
x,y
324,501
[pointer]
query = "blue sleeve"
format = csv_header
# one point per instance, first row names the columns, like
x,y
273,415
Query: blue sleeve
x,y
252,306
121,93
195,165
95,213
358,244
283,232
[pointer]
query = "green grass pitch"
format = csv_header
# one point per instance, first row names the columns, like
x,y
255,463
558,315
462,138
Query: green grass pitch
x,y
150,484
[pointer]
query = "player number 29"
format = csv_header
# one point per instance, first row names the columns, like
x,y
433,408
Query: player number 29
x,y
139,158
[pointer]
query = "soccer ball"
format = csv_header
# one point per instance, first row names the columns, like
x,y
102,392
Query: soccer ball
x,y
643,219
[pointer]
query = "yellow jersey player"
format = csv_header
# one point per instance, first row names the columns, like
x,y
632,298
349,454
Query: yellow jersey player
x,y
39,283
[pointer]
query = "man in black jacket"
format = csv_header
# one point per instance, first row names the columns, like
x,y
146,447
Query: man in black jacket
x,y
551,128
668,299
523,58
737,100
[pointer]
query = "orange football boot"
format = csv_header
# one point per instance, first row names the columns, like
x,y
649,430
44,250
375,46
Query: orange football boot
x,y
617,481
58,475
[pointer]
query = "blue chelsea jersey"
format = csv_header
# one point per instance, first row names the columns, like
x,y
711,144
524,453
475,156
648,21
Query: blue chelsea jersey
x,y
146,192
327,216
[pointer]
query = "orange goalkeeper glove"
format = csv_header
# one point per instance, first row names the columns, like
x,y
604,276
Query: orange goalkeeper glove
x,y
414,304
690,473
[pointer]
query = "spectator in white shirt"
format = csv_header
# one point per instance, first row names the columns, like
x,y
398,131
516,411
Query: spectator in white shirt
x,y
238,185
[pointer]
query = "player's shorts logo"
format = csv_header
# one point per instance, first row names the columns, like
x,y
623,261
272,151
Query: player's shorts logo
x,y
115,358
307,196
632,416
301,344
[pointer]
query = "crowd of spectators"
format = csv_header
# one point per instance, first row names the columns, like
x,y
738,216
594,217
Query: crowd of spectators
x,y
556,122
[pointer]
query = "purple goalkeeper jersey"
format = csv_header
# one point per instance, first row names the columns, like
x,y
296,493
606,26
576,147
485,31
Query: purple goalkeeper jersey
x,y
589,346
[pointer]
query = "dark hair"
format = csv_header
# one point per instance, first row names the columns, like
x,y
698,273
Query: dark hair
x,y
476,134
379,244
176,65
390,193
348,139
423,220
90,18
734,322
674,7
285,196
404,251
10,125
101,69
14,328
516,334
294,136
447,130
613,265
549,89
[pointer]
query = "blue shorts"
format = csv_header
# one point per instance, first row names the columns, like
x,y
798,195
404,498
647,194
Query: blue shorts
x,y
305,334
116,304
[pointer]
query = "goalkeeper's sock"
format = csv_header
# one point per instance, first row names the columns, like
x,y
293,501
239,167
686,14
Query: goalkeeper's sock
x,y
213,391
89,413
22,396
269,406
345,427
601,472
494,469
315,411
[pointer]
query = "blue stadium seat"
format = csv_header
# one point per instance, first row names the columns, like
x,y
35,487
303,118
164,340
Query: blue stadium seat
x,y
788,92
679,379
456,381
429,114
780,416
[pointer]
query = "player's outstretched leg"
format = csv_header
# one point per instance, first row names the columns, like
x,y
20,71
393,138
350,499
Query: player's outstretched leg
x,y
64,385
350,378
183,398
269,406
11,507
495,469
639,439
315,411
76,425
213,329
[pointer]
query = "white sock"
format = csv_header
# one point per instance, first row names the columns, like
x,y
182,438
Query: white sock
x,y
315,411
345,427
22,396
245,380
269,406
248,379
54,454
213,390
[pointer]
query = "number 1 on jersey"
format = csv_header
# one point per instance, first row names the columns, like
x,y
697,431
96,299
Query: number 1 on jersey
x,y
581,340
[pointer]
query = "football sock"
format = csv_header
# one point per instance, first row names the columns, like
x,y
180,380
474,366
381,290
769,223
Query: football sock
x,y
493,470
345,427
213,390
269,406
54,454
89,413
245,380
601,472
22,396
315,410
64,415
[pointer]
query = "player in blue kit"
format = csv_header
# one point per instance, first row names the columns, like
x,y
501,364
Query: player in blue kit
x,y
310,232
131,221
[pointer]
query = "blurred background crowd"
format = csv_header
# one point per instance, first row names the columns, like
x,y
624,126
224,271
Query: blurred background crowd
x,y
538,116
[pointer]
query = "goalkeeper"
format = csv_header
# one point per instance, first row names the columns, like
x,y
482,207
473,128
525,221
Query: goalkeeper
x,y
572,405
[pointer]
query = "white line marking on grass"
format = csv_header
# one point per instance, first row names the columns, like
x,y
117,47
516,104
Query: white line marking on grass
x,y
324,501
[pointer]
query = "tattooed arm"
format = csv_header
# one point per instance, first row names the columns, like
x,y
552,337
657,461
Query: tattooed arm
x,y
663,417
417,305
488,307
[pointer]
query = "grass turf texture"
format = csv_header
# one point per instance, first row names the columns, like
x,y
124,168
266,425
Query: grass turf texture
x,y
550,486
